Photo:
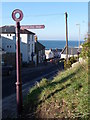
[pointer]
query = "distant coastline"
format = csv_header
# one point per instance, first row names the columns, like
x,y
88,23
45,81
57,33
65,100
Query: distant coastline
x,y
60,44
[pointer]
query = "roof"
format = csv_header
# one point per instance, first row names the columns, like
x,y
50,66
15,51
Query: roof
x,y
12,30
39,46
72,51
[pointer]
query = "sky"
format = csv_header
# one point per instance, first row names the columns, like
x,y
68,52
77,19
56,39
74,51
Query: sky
x,y
51,14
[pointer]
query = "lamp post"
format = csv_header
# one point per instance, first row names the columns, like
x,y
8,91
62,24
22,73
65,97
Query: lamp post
x,y
79,34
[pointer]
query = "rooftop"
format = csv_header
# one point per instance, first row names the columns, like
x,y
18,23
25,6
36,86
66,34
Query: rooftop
x,y
12,30
39,46
72,51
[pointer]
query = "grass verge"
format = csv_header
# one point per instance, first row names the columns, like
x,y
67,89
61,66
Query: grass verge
x,y
66,96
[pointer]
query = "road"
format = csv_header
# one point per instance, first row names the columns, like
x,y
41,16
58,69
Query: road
x,y
28,75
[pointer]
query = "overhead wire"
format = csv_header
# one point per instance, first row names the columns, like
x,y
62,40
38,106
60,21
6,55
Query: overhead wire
x,y
37,15
40,15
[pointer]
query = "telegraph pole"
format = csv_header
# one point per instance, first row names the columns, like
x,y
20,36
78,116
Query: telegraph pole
x,y
66,15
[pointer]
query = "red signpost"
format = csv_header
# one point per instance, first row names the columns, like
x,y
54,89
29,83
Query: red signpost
x,y
18,55
18,61
32,27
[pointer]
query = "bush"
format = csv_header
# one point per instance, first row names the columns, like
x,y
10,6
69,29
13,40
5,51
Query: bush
x,y
70,62
85,53
44,82
67,64
73,59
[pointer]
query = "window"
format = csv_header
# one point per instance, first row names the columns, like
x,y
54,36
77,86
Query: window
x,y
28,38
10,34
32,37
7,46
32,47
10,46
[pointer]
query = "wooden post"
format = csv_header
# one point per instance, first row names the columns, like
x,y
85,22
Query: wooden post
x,y
66,15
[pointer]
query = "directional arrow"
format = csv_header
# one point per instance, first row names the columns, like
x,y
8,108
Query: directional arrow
x,y
32,26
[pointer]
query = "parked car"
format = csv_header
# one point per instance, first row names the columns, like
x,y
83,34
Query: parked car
x,y
52,61
6,69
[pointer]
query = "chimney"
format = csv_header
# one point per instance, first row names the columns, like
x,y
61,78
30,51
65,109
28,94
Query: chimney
x,y
36,38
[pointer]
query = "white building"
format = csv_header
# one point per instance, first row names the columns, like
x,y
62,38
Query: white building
x,y
49,54
8,42
72,51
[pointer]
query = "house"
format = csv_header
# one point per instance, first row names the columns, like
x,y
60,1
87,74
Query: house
x,y
49,54
1,52
71,52
57,53
27,43
53,53
39,52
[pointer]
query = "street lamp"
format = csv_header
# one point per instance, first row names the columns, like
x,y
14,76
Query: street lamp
x,y
79,34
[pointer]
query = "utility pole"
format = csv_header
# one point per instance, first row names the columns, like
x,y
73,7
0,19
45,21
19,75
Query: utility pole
x,y
66,15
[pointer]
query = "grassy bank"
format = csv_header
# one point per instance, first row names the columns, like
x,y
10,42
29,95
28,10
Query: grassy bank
x,y
66,96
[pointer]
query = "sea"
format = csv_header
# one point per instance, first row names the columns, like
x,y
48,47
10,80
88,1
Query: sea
x,y
60,44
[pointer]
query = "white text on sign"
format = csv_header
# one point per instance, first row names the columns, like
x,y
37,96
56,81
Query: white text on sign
x,y
32,26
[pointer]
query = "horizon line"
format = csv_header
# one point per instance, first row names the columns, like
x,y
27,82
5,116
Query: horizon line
x,y
58,40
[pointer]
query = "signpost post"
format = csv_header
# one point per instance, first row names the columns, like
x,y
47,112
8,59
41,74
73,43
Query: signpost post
x,y
18,55
18,60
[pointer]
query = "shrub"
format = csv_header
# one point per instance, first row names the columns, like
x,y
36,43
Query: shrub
x,y
44,82
73,59
67,64
85,53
